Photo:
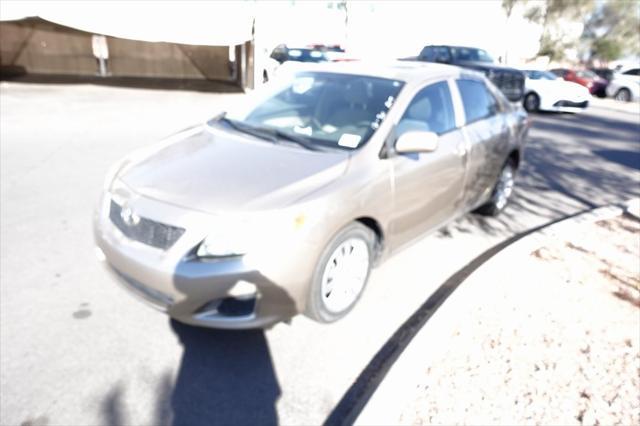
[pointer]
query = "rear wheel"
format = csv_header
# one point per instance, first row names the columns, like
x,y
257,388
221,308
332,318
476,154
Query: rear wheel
x,y
501,192
623,95
532,102
341,274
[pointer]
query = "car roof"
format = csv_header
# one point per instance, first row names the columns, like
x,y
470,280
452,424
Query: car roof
x,y
407,71
455,46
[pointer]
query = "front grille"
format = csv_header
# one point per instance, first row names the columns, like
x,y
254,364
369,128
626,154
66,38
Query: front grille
x,y
582,104
146,231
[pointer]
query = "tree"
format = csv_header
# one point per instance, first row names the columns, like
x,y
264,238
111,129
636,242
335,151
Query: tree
x,y
613,30
508,6
553,15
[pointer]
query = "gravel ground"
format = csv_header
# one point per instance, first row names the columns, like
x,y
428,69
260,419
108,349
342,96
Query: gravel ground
x,y
555,340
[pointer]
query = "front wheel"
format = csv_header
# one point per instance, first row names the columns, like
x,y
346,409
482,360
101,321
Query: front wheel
x,y
341,274
532,102
501,192
623,95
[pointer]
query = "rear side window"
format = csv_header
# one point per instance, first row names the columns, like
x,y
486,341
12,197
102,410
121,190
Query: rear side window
x,y
430,110
478,101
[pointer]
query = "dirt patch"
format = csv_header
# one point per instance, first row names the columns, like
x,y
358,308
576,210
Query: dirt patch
x,y
551,339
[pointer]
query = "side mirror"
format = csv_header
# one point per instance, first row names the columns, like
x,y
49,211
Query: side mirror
x,y
417,141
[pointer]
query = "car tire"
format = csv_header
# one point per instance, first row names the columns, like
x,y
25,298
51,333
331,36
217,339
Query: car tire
x,y
623,95
346,262
501,193
532,102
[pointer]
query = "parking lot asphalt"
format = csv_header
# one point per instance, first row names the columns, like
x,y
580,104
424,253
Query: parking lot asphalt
x,y
75,349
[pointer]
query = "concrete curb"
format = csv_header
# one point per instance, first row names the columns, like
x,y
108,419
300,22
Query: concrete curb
x,y
386,403
632,208
613,105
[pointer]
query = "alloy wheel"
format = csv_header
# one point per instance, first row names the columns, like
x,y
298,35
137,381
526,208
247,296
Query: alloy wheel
x,y
504,188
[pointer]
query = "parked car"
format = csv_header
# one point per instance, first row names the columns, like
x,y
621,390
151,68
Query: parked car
x,y
603,73
509,80
625,86
285,204
596,85
283,53
546,91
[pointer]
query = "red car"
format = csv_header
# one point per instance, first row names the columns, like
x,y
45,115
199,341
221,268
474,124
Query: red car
x,y
586,78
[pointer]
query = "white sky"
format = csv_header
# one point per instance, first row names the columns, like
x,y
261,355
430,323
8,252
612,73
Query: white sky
x,y
384,29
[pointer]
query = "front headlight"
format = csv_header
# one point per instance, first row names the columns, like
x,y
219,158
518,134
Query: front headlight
x,y
256,233
221,245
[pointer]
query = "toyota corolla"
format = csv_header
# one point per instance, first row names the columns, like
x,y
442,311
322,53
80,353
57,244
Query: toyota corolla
x,y
284,205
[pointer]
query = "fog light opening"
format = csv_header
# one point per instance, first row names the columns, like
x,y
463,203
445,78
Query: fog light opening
x,y
240,302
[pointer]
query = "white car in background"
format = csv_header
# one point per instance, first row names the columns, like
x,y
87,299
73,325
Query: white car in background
x,y
544,91
625,86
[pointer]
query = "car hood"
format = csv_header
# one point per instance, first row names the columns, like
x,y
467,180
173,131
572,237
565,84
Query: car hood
x,y
214,170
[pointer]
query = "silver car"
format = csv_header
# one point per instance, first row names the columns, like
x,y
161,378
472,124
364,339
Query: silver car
x,y
284,205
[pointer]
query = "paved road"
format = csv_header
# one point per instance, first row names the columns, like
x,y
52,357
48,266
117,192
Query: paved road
x,y
78,350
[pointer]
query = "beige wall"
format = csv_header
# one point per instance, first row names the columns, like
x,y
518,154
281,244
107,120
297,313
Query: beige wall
x,y
42,47
133,58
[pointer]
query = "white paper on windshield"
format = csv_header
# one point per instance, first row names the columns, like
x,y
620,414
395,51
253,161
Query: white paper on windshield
x,y
303,130
349,140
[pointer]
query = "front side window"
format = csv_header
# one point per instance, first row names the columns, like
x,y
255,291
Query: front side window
x,y
327,109
478,101
430,110
635,71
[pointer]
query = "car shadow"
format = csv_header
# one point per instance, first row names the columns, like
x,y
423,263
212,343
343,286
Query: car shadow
x,y
556,179
225,377
626,158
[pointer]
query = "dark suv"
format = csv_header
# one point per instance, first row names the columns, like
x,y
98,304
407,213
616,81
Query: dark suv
x,y
509,80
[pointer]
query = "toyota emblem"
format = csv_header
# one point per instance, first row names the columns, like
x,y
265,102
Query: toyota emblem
x,y
128,216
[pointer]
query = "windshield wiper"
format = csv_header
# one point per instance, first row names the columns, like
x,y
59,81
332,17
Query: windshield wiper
x,y
268,133
244,128
303,142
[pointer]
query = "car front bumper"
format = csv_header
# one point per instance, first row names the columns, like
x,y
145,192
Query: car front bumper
x,y
204,292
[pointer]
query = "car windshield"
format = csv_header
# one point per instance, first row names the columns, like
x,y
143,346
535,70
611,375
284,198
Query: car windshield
x,y
469,54
320,109
541,75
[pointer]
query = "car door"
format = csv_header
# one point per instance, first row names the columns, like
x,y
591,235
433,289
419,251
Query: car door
x,y
488,135
428,186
